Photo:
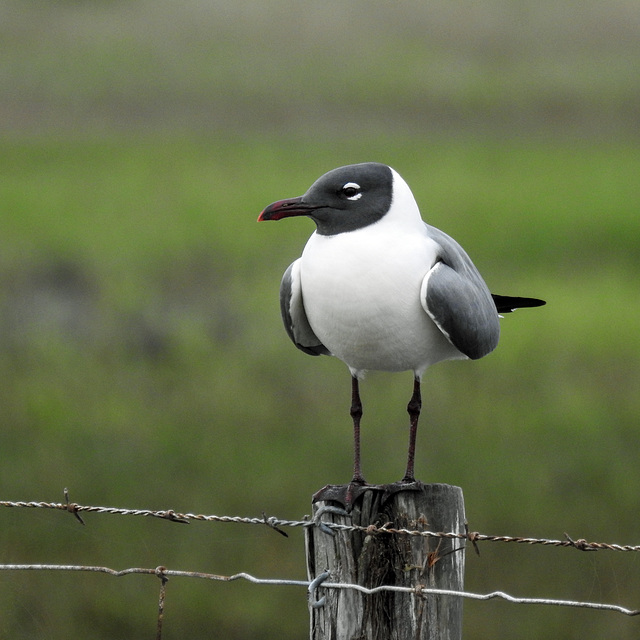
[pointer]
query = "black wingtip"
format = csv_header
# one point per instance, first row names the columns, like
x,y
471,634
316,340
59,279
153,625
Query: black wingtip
x,y
507,304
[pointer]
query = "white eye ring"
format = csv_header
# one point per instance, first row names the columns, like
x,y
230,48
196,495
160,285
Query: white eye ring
x,y
351,186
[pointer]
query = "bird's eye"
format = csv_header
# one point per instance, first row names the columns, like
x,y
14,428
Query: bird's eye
x,y
351,191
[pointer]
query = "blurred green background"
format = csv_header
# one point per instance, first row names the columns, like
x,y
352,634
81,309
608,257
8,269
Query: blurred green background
x,y
142,358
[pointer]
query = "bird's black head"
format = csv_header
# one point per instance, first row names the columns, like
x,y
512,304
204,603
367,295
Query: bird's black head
x,y
345,199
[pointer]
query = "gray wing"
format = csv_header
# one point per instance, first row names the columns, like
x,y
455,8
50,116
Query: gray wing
x,y
294,316
456,298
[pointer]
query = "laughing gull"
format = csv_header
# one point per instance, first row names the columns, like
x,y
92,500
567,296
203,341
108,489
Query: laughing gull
x,y
382,290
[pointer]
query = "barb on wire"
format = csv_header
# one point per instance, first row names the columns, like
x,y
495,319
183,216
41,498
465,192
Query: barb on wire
x,y
472,537
318,583
271,522
276,523
72,507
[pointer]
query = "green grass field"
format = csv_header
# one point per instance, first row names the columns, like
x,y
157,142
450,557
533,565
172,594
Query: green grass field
x,y
142,358
144,365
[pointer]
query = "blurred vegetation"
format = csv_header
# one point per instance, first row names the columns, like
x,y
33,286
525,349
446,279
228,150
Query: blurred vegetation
x,y
142,359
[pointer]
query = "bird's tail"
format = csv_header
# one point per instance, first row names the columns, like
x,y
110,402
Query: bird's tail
x,y
507,304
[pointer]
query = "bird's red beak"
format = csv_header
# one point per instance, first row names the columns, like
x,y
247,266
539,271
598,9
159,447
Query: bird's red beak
x,y
285,209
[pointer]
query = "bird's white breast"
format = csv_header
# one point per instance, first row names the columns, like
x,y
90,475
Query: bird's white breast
x,y
361,294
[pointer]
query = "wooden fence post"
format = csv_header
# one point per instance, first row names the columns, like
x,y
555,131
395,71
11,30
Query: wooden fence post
x,y
377,559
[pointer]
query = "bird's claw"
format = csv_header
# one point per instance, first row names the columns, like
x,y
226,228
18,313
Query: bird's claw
x,y
347,494
344,494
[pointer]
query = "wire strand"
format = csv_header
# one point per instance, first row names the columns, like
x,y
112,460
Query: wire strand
x,y
164,574
275,523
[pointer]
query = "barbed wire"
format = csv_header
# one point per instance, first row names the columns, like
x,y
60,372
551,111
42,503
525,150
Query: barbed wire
x,y
322,580
277,524
164,574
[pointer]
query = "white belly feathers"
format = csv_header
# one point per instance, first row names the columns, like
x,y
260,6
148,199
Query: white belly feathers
x,y
365,303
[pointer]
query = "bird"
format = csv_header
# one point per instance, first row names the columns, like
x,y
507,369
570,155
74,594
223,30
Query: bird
x,y
382,290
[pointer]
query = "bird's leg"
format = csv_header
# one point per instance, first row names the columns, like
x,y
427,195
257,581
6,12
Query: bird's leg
x,y
413,408
347,494
356,414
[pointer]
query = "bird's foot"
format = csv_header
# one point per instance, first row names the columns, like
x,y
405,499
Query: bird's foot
x,y
406,484
344,494
347,494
